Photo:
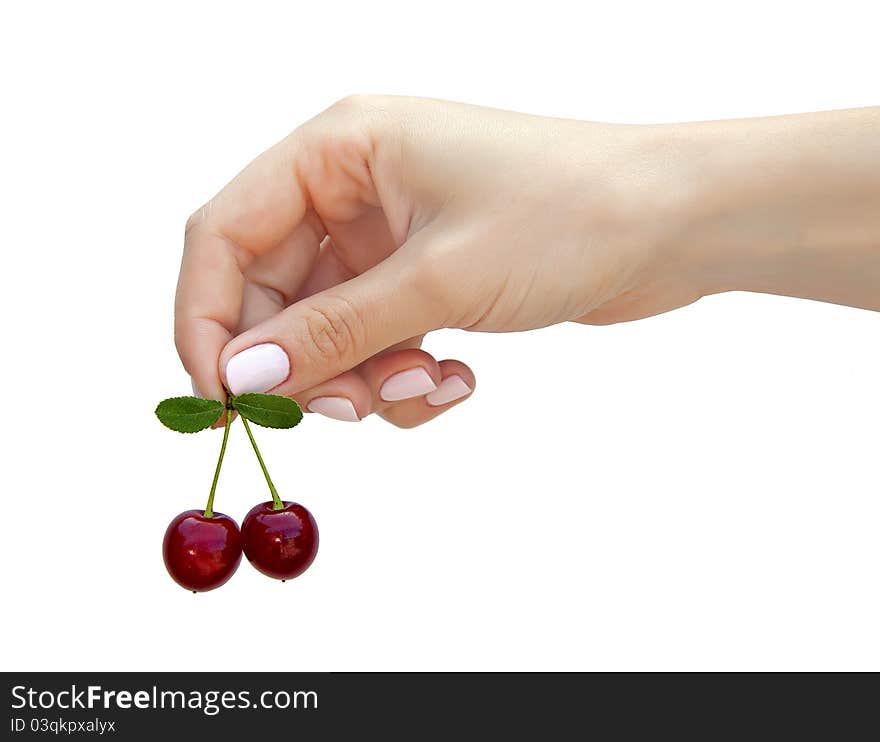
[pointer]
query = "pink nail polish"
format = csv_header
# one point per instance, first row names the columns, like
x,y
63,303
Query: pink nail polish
x,y
450,389
257,369
413,382
339,408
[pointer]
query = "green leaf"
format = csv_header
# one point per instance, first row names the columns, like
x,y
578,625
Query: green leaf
x,y
189,414
268,410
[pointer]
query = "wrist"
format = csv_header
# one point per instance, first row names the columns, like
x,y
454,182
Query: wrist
x,y
784,205
729,214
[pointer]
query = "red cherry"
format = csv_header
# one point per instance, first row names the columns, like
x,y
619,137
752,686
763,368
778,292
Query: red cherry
x,y
201,553
280,543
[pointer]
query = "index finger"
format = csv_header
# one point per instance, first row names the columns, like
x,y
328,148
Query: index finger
x,y
262,205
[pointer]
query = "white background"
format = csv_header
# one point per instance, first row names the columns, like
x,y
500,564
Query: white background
x,y
694,491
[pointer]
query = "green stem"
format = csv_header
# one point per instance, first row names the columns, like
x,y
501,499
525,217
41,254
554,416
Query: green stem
x,y
209,508
276,501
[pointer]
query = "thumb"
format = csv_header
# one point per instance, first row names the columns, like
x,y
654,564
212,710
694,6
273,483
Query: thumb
x,y
332,331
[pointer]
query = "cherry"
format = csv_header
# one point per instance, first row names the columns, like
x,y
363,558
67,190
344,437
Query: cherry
x,y
280,543
201,552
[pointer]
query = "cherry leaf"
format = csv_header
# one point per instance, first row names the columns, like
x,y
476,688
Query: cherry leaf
x,y
268,410
189,414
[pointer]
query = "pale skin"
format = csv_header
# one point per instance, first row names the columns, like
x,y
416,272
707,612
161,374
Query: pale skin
x,y
385,218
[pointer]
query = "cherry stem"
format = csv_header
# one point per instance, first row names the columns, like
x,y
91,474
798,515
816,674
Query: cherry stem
x,y
209,508
276,501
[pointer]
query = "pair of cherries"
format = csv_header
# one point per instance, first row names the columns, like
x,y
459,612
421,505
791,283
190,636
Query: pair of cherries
x,y
202,553
202,548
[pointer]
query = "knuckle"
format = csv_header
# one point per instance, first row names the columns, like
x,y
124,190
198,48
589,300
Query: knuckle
x,y
332,331
355,102
198,218
366,114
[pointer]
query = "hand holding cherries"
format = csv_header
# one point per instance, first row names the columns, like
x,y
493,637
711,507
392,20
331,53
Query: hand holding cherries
x,y
202,549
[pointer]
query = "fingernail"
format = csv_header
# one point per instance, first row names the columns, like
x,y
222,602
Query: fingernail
x,y
195,388
413,382
451,388
339,408
257,369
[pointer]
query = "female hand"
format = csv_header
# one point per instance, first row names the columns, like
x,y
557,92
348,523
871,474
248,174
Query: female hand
x,y
319,269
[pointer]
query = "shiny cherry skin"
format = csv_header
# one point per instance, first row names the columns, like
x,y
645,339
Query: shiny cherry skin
x,y
201,553
280,543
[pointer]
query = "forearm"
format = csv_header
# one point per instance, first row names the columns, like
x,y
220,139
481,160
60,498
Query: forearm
x,y
785,205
